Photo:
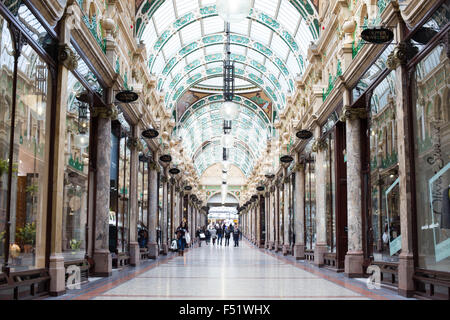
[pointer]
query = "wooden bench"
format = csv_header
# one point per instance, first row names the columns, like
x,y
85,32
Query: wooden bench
x,y
388,267
143,253
24,285
84,269
329,259
309,255
426,281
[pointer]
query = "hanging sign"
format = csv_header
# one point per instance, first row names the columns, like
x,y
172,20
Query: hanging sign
x,y
377,35
304,134
127,96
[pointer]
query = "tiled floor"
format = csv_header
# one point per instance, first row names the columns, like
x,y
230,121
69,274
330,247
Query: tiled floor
x,y
217,273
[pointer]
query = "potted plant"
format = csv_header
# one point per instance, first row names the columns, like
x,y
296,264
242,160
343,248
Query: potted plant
x,y
75,244
26,236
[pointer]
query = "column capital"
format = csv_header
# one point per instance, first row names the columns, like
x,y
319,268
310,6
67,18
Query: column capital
x,y
164,179
152,165
135,143
398,56
68,57
298,167
319,145
349,113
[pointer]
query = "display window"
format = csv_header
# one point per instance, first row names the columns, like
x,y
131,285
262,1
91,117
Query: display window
x,y
281,215
76,172
384,179
431,109
310,199
329,166
30,124
6,93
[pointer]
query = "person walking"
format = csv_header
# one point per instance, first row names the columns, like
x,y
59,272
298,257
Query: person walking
x,y
213,232
180,233
236,233
219,235
208,236
227,235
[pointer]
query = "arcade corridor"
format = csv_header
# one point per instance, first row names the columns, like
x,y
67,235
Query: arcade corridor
x,y
228,273
318,130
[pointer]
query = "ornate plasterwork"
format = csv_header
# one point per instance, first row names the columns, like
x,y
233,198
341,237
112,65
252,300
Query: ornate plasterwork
x,y
349,113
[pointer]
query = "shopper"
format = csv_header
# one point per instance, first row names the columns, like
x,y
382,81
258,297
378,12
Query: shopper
x,y
213,232
227,235
208,236
219,235
236,233
180,233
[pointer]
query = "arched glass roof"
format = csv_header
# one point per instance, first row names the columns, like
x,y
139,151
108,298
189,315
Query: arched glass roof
x,y
185,42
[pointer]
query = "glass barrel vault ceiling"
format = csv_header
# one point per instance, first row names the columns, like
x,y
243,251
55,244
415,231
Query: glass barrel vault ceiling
x,y
186,46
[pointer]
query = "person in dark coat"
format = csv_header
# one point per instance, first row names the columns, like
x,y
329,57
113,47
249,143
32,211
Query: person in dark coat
x,y
219,235
227,235
236,233
180,233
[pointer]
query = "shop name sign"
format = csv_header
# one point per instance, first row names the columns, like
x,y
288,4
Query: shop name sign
x,y
127,96
377,35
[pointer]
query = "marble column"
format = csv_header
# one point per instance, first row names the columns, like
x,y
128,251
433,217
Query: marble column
x,y
277,219
286,193
299,212
354,258
134,249
397,62
165,212
321,230
102,256
152,245
272,217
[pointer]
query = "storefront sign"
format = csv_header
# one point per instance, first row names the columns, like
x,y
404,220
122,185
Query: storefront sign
x,y
127,96
377,35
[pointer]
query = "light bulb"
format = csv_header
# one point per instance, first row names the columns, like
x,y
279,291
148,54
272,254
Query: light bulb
x,y
233,11
81,140
229,111
227,141
226,165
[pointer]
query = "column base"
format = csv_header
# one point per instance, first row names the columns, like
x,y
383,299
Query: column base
x,y
135,256
406,286
353,265
57,274
153,250
285,249
165,249
299,252
102,263
319,252
261,245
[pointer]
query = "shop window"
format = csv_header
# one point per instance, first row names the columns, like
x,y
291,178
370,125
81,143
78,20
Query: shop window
x,y
30,171
385,215
76,172
6,73
432,167
330,187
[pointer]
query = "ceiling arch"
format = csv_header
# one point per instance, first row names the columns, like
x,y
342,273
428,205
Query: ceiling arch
x,y
191,56
277,101
265,82
206,125
212,153
208,12
195,109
